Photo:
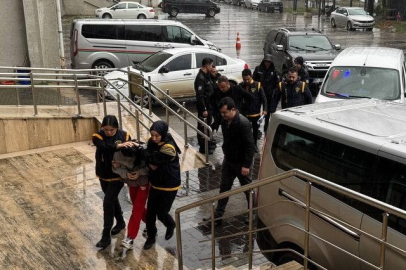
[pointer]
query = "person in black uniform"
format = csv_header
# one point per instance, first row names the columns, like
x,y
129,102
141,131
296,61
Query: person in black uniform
x,y
204,90
301,70
108,140
266,74
162,157
236,92
253,109
292,92
238,148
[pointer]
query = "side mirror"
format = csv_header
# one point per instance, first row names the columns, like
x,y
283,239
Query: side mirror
x,y
163,69
345,13
193,40
337,47
279,47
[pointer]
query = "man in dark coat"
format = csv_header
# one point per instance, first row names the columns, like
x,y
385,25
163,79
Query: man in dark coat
x,y
266,74
301,69
238,148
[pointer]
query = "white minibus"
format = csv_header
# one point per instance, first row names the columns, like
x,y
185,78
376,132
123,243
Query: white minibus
x,y
358,144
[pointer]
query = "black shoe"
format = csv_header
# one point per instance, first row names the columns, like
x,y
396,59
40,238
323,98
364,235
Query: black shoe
x,y
149,243
105,240
169,232
217,222
118,228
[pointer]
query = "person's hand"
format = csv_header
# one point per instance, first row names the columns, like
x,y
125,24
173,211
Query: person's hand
x,y
205,113
153,167
264,113
245,171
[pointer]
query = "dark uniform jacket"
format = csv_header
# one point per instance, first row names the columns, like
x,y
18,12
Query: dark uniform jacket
x,y
295,94
204,90
164,155
269,80
253,108
303,75
238,141
106,147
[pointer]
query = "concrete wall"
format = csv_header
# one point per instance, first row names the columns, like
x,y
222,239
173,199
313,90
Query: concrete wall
x,y
42,32
13,41
83,7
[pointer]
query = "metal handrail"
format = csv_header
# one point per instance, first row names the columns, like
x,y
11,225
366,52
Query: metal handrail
x,y
386,209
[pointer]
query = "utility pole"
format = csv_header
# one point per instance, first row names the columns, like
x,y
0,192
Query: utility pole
x,y
61,47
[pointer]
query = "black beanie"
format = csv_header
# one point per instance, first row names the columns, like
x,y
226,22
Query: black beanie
x,y
299,60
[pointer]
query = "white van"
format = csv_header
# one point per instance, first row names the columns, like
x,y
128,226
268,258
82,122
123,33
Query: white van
x,y
99,43
365,72
358,144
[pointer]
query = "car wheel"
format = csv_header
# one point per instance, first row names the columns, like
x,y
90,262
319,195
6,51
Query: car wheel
x,y
174,12
369,29
211,12
273,10
333,23
349,26
137,100
102,64
141,16
281,10
106,16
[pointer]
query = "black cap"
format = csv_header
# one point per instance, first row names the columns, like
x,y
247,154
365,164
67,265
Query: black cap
x,y
299,60
268,58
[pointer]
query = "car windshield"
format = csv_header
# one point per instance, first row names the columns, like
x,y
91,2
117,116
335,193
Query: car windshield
x,y
152,62
356,11
365,82
309,43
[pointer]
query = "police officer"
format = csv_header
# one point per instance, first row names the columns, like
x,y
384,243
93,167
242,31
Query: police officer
x,y
204,91
292,92
253,109
301,69
266,74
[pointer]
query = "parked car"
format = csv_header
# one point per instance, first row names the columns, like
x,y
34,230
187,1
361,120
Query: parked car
x,y
174,7
175,70
98,43
284,45
251,3
270,6
352,18
365,72
125,10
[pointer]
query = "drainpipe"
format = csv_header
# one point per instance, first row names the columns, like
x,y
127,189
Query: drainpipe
x,y
61,48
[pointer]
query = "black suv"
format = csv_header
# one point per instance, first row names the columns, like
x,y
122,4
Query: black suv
x,y
173,7
284,45
270,6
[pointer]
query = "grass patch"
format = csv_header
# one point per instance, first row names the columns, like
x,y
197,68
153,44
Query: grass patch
x,y
388,25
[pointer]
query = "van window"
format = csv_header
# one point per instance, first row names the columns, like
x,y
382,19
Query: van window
x,y
217,61
144,32
358,170
177,34
180,63
369,82
103,31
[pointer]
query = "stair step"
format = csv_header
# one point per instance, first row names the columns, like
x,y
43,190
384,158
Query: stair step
x,y
293,265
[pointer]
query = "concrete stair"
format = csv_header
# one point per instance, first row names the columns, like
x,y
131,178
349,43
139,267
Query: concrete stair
x,y
287,266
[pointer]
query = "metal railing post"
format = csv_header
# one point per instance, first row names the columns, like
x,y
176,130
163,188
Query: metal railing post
x,y
179,250
383,238
307,225
103,85
75,78
250,239
58,89
34,97
213,240
167,105
142,93
120,121
137,124
184,124
149,96
206,143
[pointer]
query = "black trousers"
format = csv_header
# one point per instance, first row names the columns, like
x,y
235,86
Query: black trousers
x,y
255,127
229,171
111,204
158,206
200,127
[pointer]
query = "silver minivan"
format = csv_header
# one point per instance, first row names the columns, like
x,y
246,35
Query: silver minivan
x,y
99,43
356,144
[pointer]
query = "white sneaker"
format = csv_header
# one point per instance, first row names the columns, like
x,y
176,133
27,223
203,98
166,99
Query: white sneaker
x,y
127,243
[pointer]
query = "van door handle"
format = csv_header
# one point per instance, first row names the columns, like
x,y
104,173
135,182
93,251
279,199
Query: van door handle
x,y
158,44
221,70
187,74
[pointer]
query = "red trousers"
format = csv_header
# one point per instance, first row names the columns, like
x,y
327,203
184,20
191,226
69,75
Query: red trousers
x,y
139,196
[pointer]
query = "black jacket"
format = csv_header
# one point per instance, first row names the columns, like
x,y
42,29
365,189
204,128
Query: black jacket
x,y
303,75
292,95
238,141
105,149
204,90
269,79
164,155
253,108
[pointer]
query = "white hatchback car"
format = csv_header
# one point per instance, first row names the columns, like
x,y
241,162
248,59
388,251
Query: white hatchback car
x,y
252,3
175,70
126,10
